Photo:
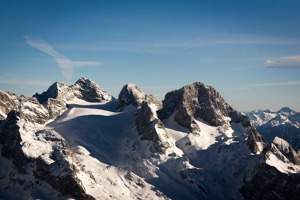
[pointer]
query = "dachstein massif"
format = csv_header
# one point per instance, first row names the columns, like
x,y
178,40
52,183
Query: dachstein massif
x,y
78,142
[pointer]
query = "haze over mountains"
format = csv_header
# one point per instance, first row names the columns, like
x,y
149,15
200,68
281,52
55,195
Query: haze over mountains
x,y
80,142
284,123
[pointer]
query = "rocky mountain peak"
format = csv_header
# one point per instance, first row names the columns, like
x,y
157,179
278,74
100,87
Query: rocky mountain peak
x,y
7,103
84,89
283,150
199,101
89,91
132,94
57,90
286,111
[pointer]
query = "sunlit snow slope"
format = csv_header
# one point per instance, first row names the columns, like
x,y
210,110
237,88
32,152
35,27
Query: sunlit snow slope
x,y
97,135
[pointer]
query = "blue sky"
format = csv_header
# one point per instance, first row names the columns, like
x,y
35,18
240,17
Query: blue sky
x,y
248,50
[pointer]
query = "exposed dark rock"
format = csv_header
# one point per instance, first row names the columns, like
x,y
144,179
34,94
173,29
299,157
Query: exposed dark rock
x,y
147,122
61,174
240,118
84,89
132,94
253,138
32,111
58,91
89,91
8,102
147,125
199,101
11,141
55,107
266,182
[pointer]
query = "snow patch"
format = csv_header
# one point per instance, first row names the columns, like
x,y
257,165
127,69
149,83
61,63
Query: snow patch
x,y
284,167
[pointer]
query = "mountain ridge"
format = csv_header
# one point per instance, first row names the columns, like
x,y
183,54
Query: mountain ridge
x,y
284,123
191,145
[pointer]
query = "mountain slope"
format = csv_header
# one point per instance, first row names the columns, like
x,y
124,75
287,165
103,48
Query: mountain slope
x,y
193,145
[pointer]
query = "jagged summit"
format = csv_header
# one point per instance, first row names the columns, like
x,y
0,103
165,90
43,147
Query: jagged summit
x,y
89,91
132,94
287,111
282,148
57,90
7,103
84,89
199,101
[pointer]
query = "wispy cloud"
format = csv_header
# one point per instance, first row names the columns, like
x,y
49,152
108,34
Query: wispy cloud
x,y
179,44
284,62
67,66
286,83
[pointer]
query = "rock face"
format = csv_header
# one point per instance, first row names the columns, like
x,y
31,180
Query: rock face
x,y
84,89
151,128
132,94
57,90
270,183
254,140
28,107
147,123
89,91
11,140
199,101
8,102
284,123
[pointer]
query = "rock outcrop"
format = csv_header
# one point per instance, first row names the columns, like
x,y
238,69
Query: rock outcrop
x,y
277,177
89,91
269,183
151,128
147,123
8,102
132,94
84,89
199,101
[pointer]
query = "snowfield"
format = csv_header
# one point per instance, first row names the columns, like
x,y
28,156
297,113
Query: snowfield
x,y
107,144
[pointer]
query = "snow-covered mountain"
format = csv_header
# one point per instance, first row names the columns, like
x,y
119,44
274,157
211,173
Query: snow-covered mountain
x,y
79,142
285,123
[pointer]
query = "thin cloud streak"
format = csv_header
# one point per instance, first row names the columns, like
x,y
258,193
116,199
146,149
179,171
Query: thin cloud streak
x,y
284,62
67,66
287,83
181,45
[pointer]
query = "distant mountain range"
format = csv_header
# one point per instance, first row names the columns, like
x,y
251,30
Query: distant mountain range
x,y
285,123
79,142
